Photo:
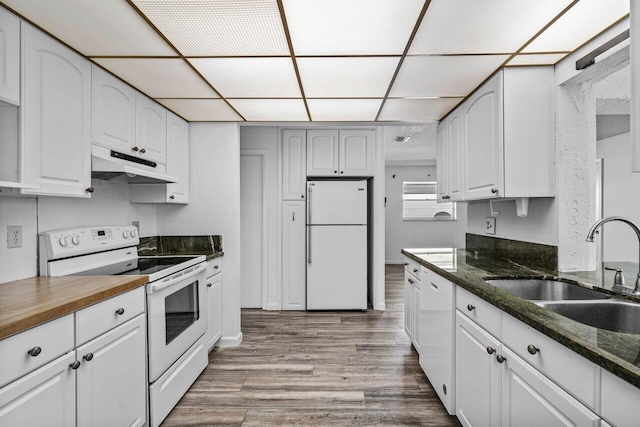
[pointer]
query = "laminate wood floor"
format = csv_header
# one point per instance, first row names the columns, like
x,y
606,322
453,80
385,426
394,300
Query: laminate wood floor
x,y
316,369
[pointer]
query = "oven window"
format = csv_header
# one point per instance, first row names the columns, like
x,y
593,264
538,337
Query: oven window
x,y
181,310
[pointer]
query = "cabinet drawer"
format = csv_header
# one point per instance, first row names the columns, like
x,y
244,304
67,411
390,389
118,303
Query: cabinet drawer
x,y
99,318
214,267
437,283
412,267
478,310
568,369
54,338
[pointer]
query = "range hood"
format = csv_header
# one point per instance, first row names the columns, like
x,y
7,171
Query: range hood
x,y
108,164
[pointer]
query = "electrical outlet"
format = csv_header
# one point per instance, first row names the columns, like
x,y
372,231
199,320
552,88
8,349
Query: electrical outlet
x,y
491,225
14,236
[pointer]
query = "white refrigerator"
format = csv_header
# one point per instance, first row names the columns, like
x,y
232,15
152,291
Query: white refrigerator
x,y
337,245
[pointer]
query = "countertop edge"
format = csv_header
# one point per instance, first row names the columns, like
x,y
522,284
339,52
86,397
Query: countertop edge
x,y
608,361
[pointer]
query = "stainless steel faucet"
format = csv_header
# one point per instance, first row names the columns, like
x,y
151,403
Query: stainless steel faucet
x,y
594,227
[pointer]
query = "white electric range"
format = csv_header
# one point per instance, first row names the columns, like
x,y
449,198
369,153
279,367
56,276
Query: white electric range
x,y
176,308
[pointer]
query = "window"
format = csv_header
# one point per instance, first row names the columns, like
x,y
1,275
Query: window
x,y
419,203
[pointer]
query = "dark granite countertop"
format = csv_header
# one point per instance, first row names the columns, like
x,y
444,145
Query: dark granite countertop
x,y
618,353
210,246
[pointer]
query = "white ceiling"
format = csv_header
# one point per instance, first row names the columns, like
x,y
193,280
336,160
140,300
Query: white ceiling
x,y
318,60
420,149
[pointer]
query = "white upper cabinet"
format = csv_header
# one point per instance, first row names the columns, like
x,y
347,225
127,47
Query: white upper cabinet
x,y
178,158
443,164
151,131
339,153
55,118
355,152
322,153
114,112
482,147
9,58
456,189
294,162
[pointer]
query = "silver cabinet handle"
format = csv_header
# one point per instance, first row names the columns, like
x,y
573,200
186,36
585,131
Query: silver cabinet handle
x,y
410,281
500,358
470,307
309,205
34,351
532,349
142,150
294,216
120,311
415,270
208,285
494,190
491,350
88,357
75,365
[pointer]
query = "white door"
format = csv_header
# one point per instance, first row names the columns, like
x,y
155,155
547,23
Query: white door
x,y
293,256
214,298
45,397
337,202
114,112
478,383
443,164
56,117
151,130
355,152
253,229
530,399
483,142
294,164
178,158
322,153
337,267
9,57
456,165
112,381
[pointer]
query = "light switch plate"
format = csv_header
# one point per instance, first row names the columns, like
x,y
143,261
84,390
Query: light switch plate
x,y
14,236
491,225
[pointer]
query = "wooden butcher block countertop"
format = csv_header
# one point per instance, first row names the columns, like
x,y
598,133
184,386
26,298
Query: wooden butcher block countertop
x,y
30,302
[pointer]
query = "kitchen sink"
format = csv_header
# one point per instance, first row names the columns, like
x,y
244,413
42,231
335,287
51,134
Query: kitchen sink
x,y
612,315
546,290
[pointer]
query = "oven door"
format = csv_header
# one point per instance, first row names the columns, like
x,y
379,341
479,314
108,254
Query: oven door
x,y
177,317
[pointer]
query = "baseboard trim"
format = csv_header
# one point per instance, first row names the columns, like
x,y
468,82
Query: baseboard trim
x,y
230,341
380,307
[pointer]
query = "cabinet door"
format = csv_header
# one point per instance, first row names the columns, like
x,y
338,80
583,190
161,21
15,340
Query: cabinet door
x,y
483,142
9,58
408,304
456,168
178,158
294,162
322,153
214,313
478,383
443,164
56,117
151,129
114,112
415,312
293,256
355,152
529,398
112,382
45,397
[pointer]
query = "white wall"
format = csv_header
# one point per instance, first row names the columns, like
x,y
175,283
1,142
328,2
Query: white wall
x,y
621,195
214,208
18,263
401,234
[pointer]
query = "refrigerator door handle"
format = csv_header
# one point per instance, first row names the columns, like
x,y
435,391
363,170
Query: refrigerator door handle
x,y
308,244
309,206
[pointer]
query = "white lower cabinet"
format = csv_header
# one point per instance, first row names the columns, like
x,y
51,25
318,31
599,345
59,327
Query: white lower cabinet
x,y
111,377
293,255
214,303
45,397
408,304
415,313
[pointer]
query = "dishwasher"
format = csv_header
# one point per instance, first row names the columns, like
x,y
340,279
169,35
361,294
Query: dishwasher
x,y
437,335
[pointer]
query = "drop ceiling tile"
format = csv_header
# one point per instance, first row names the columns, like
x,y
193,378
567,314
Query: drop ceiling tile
x,y
272,110
443,75
159,77
488,26
411,110
354,27
536,59
250,77
346,77
337,110
95,27
223,27
202,110
584,20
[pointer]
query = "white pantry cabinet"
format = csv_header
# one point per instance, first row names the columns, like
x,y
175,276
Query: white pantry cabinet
x,y
346,152
55,119
214,304
151,130
9,58
114,112
177,165
294,164
293,255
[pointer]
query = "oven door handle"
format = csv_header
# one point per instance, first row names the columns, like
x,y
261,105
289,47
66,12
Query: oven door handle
x,y
178,277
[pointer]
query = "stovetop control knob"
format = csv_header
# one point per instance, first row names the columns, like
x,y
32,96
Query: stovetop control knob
x,y
133,233
75,240
125,234
63,242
